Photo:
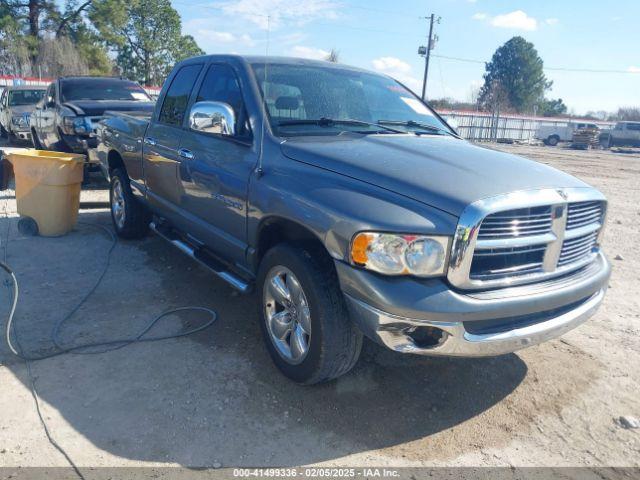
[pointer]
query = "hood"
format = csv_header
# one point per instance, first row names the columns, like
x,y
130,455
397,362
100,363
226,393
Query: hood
x,y
98,107
440,171
22,109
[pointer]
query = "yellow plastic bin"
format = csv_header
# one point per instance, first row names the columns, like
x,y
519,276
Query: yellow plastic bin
x,y
48,188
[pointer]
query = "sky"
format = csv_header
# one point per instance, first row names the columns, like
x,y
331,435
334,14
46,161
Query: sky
x,y
384,36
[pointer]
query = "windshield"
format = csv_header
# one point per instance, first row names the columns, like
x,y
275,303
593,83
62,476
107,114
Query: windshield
x,y
25,97
301,92
102,89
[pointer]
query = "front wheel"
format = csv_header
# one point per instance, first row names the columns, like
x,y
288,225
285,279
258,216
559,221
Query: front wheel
x,y
130,217
37,144
553,140
303,317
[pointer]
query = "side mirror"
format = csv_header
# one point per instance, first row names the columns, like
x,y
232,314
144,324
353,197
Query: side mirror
x,y
213,117
50,103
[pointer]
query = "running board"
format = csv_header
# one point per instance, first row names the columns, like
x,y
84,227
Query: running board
x,y
203,259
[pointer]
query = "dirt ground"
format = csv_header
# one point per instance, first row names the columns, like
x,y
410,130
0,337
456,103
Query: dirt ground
x,y
215,397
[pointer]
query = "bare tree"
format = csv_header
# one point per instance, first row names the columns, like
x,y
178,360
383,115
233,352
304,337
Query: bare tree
x,y
59,57
333,56
629,114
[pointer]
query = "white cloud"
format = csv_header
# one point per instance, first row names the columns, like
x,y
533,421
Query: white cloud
x,y
479,16
309,52
551,21
275,13
398,69
211,39
516,20
633,69
386,64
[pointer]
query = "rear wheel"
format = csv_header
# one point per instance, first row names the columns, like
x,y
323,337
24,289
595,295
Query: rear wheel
x,y
553,140
303,317
130,217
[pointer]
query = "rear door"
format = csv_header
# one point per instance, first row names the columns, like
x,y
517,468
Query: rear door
x,y
160,150
218,168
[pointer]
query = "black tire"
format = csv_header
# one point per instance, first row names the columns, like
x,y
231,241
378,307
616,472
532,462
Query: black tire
x,y
135,223
3,132
611,142
335,342
35,140
553,140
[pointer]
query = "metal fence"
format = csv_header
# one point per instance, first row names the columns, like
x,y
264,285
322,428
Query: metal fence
x,y
481,126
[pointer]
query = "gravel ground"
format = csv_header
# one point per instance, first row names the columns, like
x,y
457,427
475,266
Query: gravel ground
x,y
215,397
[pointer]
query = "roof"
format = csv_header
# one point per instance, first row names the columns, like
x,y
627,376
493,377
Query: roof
x,y
25,87
272,60
92,77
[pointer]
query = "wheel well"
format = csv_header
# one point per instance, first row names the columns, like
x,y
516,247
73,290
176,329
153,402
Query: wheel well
x,y
115,161
555,135
280,230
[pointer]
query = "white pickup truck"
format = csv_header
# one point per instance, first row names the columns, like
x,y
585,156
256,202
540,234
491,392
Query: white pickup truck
x,y
563,132
624,133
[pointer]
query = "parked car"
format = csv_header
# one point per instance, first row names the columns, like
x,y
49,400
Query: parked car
x,y
65,118
16,105
553,134
353,209
624,134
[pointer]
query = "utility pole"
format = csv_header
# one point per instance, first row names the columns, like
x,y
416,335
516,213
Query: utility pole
x,y
427,52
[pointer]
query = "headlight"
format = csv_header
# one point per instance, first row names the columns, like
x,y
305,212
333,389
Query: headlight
x,y
393,254
82,125
67,125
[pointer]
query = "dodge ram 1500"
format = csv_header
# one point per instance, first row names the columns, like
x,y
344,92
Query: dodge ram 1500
x,y
354,209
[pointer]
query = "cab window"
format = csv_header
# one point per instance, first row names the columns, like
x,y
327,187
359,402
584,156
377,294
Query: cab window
x,y
221,84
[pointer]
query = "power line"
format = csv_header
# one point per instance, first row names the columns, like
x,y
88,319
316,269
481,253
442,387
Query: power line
x,y
555,69
404,34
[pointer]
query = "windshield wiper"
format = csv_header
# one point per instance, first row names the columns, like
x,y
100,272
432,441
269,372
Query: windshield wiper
x,y
330,122
418,125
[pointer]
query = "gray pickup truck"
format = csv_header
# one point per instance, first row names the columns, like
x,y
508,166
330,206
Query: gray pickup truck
x,y
354,209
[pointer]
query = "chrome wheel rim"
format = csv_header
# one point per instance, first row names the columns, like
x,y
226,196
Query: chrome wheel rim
x,y
287,314
117,203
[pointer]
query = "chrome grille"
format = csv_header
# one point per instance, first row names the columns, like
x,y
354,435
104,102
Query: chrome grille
x,y
496,262
526,236
580,214
516,223
578,248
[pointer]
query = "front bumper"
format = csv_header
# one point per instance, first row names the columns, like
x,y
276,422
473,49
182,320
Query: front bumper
x,y
391,310
21,133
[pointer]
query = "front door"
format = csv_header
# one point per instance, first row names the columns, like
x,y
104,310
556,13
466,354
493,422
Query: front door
x,y
47,119
218,168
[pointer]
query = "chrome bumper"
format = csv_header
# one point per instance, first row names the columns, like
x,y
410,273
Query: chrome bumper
x,y
393,331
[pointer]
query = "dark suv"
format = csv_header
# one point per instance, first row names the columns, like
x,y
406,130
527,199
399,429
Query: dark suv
x,y
65,118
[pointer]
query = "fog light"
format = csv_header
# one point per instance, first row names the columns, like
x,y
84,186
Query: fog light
x,y
427,337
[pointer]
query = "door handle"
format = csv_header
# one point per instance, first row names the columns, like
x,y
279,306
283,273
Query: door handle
x,y
188,154
151,141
